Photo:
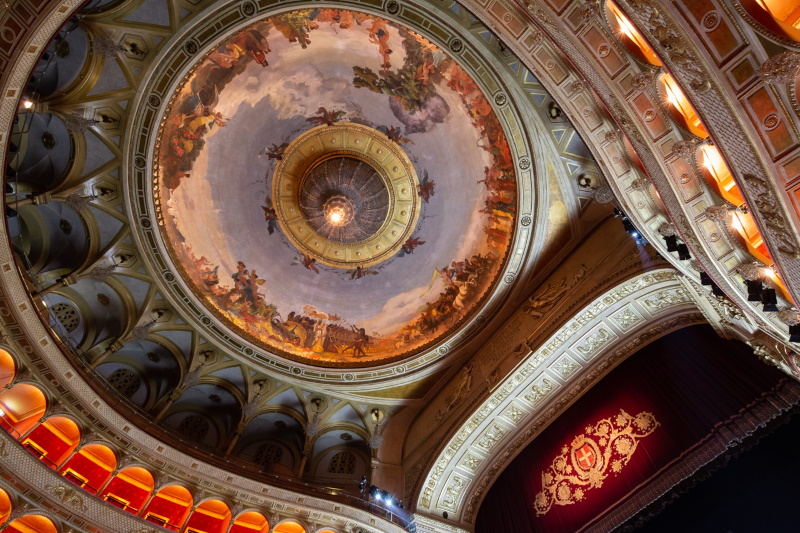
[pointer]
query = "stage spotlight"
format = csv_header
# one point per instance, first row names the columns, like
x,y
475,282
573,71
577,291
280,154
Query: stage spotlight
x,y
375,492
683,252
794,333
385,496
770,300
715,290
705,279
672,243
754,289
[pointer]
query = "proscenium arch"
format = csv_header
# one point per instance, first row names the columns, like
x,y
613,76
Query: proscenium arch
x,y
530,397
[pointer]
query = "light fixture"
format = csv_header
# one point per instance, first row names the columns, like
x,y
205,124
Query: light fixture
x,y
385,496
794,333
705,279
770,300
27,104
671,242
683,252
375,492
754,289
715,290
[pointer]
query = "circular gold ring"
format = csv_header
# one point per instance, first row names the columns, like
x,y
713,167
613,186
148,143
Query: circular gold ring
x,y
390,162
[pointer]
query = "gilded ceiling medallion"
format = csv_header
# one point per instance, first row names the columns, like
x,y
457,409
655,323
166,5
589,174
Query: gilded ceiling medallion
x,y
346,195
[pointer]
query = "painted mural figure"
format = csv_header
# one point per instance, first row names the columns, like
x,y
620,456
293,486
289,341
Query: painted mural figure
x,y
359,342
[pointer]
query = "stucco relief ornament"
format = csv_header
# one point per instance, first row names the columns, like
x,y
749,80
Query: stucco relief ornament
x,y
106,46
78,202
100,274
640,184
584,464
642,81
751,271
312,428
666,229
604,194
78,124
375,441
613,136
68,496
683,149
790,317
771,212
781,68
192,378
717,212
588,12
140,333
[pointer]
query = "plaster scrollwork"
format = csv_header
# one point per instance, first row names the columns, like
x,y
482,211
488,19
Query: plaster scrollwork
x,y
781,68
643,80
772,214
539,392
588,12
453,492
664,299
595,341
491,437
674,45
68,496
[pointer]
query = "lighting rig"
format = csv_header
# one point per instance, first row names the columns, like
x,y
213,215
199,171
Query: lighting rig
x,y
629,227
383,496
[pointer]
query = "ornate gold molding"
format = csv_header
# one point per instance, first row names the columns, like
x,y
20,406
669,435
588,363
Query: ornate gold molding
x,y
390,162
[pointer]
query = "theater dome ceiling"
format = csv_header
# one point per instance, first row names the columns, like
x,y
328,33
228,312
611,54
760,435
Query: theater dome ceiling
x,y
334,187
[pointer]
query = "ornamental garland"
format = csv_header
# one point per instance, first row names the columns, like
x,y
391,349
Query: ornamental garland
x,y
604,449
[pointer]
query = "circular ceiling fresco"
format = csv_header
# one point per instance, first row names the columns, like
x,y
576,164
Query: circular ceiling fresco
x,y
335,188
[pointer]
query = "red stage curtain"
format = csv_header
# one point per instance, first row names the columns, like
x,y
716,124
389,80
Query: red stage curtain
x,y
690,380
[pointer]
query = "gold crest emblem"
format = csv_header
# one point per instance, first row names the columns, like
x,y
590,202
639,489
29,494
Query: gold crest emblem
x,y
603,449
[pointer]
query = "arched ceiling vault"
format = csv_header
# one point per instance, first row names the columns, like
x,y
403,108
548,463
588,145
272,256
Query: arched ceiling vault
x,y
566,301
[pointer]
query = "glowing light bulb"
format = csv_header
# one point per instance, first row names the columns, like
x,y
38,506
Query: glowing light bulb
x,y
336,217
769,272
27,104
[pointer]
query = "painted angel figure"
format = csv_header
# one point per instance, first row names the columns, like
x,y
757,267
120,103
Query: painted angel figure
x,y
270,215
307,261
276,152
426,188
394,134
326,117
360,272
410,245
